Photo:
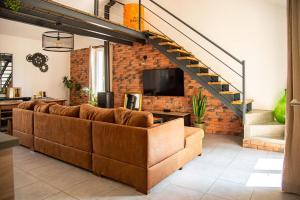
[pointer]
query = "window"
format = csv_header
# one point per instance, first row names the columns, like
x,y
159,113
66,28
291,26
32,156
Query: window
x,y
97,68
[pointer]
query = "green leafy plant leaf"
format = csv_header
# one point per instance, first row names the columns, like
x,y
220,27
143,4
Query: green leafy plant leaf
x,y
13,5
199,102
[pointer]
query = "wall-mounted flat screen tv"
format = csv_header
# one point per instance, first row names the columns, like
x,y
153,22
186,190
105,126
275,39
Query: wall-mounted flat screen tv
x,y
163,82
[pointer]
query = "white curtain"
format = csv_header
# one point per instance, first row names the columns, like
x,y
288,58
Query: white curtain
x,y
97,70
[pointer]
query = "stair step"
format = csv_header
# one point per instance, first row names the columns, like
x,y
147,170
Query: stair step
x,y
160,37
197,65
218,83
187,58
206,74
259,116
182,51
240,102
270,129
228,92
172,44
274,140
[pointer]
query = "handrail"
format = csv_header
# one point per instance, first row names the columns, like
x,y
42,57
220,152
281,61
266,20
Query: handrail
x,y
199,60
202,35
241,62
193,41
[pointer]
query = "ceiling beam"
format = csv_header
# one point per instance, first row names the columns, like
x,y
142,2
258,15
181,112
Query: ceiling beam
x,y
55,7
15,16
78,24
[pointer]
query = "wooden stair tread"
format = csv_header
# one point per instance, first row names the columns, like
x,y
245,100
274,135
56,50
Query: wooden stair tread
x,y
228,92
218,83
197,66
178,51
240,102
169,44
160,37
206,74
186,58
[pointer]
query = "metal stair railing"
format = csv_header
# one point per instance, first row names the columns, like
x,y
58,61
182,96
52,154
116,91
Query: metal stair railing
x,y
240,62
227,53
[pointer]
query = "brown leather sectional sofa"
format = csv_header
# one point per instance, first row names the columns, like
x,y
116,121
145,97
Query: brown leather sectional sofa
x,y
116,143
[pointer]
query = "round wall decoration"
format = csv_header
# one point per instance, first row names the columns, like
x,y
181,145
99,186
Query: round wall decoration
x,y
38,60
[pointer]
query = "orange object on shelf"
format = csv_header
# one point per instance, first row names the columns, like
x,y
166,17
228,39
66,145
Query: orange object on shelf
x,y
131,16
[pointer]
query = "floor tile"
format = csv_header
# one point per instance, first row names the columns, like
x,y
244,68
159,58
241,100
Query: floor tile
x,y
211,197
193,182
22,179
173,192
60,196
272,194
36,191
236,175
68,178
230,190
93,189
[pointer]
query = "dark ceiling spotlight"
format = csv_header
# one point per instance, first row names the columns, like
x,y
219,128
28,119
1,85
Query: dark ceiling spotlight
x,y
58,41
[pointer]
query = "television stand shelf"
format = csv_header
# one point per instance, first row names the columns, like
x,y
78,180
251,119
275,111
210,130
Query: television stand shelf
x,y
167,116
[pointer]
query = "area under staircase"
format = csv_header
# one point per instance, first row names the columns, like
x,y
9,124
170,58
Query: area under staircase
x,y
200,72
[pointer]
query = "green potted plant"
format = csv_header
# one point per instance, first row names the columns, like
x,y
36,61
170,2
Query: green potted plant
x,y
92,97
71,84
199,107
13,5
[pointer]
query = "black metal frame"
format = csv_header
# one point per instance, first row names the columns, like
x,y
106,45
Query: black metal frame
x,y
182,66
48,13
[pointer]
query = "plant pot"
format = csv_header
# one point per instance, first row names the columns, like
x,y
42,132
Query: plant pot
x,y
201,125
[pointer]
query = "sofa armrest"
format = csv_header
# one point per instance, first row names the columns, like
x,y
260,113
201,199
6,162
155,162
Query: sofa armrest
x,y
165,140
143,147
23,121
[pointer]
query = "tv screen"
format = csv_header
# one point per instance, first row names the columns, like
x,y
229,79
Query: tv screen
x,y
163,82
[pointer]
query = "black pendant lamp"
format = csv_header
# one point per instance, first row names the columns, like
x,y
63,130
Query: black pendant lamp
x,y
58,41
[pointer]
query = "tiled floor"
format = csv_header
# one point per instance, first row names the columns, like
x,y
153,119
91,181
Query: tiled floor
x,y
224,172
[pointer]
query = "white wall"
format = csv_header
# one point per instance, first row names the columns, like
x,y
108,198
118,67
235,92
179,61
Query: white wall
x,y
252,30
22,39
29,77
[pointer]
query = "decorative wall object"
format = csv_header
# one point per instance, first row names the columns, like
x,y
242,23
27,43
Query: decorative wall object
x,y
38,60
131,16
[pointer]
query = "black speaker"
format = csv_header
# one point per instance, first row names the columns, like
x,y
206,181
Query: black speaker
x,y
105,99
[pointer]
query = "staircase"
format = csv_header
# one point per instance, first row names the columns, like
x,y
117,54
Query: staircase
x,y
200,72
5,71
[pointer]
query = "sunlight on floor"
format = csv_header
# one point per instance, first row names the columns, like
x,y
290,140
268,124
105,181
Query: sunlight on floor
x,y
268,173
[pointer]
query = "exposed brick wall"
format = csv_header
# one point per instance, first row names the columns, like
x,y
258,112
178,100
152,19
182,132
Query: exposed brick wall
x,y
127,76
79,72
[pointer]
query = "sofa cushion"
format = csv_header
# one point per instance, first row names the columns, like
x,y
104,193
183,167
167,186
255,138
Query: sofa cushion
x,y
140,119
128,117
90,112
27,105
43,107
69,111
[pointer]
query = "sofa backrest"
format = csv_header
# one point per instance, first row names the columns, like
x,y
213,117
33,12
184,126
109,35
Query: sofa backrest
x,y
68,131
